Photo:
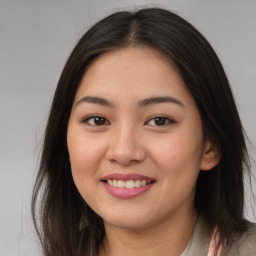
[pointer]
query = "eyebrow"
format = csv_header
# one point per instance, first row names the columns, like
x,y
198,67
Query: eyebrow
x,y
141,103
95,100
157,100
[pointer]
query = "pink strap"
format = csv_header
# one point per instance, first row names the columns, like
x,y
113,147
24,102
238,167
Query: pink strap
x,y
214,241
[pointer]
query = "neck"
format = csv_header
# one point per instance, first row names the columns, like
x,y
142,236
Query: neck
x,y
167,238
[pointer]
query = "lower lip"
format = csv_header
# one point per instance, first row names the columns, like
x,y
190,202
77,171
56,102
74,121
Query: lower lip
x,y
127,192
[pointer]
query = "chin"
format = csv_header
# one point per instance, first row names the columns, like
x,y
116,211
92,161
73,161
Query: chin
x,y
130,224
127,220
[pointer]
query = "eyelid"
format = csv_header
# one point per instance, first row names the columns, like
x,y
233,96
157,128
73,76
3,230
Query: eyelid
x,y
169,119
87,118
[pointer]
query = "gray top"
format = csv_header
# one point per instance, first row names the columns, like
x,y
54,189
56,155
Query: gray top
x,y
199,241
243,245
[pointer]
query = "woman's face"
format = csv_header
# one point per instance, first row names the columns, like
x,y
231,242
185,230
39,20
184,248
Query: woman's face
x,y
135,139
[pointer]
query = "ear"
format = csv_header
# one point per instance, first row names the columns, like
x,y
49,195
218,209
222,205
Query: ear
x,y
210,156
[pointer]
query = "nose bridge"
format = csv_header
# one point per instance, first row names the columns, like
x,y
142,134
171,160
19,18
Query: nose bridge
x,y
126,138
126,145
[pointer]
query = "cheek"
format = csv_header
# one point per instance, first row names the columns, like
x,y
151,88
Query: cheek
x,y
177,151
178,163
83,151
178,160
85,155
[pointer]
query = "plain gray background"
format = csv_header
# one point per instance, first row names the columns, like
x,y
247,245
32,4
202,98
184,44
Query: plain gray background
x,y
36,38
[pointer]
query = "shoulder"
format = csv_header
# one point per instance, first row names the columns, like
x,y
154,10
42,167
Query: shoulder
x,y
247,241
245,244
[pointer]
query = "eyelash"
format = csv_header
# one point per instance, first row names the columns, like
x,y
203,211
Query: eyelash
x,y
89,118
167,120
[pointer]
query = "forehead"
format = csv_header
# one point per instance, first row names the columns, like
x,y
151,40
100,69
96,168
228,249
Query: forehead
x,y
137,72
138,60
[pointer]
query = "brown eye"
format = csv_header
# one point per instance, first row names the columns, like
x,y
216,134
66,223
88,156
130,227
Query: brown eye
x,y
96,120
160,121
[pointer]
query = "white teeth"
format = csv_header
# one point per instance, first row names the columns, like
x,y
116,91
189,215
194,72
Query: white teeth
x,y
121,184
110,182
127,184
115,183
143,183
137,183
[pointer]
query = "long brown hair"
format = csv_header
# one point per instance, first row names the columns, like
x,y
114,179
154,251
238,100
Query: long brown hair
x,y
64,222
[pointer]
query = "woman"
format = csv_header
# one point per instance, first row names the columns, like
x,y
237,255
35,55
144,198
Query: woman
x,y
144,151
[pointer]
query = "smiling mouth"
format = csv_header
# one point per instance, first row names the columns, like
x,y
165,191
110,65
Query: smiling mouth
x,y
128,184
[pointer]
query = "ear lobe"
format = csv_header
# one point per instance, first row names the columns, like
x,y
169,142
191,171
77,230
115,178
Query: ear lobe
x,y
210,157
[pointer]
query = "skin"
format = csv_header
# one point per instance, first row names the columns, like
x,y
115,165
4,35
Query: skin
x,y
130,140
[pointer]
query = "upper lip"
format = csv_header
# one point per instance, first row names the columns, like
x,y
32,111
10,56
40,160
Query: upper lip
x,y
127,176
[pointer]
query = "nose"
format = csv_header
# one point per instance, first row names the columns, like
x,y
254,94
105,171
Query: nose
x,y
126,147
